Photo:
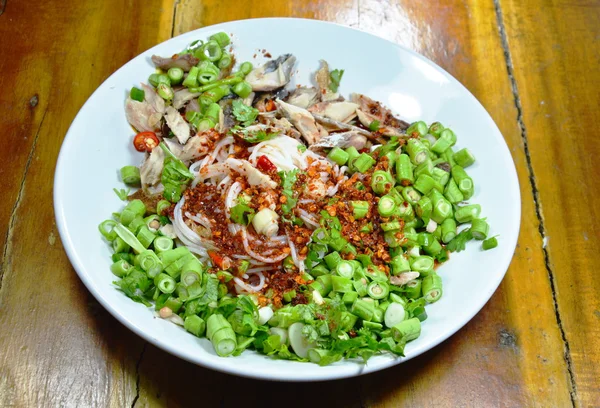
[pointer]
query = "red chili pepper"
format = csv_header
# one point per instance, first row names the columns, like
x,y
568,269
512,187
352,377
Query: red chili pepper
x,y
216,259
270,106
145,141
264,164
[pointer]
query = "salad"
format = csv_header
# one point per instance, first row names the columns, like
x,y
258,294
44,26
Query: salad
x,y
286,220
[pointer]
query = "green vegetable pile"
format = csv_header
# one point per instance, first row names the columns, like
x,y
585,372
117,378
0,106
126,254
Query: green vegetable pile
x,y
358,306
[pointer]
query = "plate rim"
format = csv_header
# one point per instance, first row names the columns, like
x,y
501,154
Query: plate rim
x,y
80,269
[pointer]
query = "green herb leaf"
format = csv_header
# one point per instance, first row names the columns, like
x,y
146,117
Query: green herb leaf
x,y
246,304
442,256
241,214
374,126
243,323
272,346
121,193
175,176
243,343
288,179
134,285
244,113
365,345
391,145
459,242
226,306
335,76
256,136
211,293
193,118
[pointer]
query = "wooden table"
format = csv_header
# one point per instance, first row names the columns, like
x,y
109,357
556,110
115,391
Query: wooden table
x,y
534,65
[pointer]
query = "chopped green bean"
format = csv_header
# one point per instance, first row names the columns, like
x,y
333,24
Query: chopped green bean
x,y
464,158
137,94
338,156
242,89
363,162
221,38
175,75
436,129
417,129
479,228
417,151
359,209
489,243
467,213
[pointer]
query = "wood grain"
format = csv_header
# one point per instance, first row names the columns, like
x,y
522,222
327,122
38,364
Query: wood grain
x,y
503,357
555,59
23,104
58,346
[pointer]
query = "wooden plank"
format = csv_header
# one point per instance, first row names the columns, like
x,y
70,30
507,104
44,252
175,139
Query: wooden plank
x,y
555,51
504,357
511,353
23,104
58,346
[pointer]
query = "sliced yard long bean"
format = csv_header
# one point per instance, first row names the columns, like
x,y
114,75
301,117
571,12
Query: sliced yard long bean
x,y
221,335
404,170
489,243
479,228
432,287
467,213
464,157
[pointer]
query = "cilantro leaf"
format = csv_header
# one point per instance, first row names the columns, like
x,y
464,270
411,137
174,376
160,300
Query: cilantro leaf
x,y
211,293
442,256
335,76
121,193
364,345
288,179
272,347
390,146
256,136
243,323
134,285
246,304
459,242
175,176
244,113
374,126
241,214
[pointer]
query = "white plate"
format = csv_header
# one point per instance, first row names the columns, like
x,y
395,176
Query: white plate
x,y
99,143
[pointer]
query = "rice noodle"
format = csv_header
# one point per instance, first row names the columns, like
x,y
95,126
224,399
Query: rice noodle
x,y
215,153
230,198
254,254
225,182
182,230
261,269
299,263
195,167
200,219
251,288
308,218
238,256
331,191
